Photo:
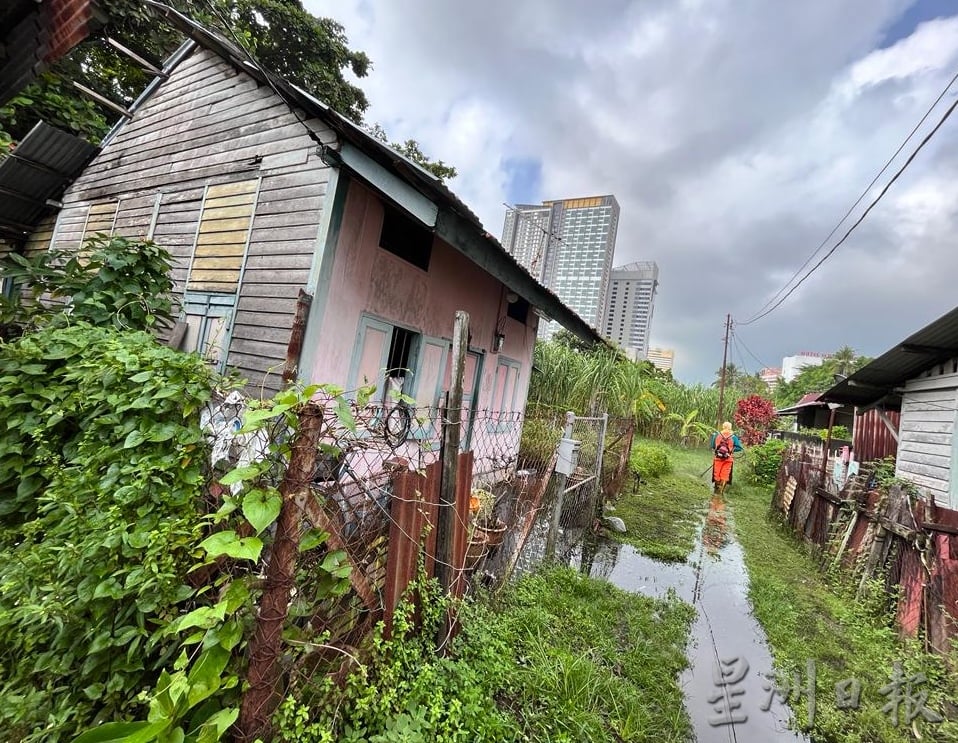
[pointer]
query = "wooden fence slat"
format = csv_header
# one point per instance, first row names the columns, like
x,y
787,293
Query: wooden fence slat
x,y
460,535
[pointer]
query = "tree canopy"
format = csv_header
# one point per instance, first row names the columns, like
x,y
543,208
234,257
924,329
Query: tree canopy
x,y
283,37
819,378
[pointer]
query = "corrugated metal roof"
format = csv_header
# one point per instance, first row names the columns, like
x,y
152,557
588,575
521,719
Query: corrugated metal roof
x,y
496,259
877,381
38,170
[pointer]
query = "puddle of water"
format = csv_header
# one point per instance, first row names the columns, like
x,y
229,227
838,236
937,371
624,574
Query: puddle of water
x,y
724,635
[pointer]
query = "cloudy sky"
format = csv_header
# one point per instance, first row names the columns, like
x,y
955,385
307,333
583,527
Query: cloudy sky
x,y
734,134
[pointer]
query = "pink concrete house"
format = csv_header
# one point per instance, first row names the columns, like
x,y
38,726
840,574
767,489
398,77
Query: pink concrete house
x,y
260,191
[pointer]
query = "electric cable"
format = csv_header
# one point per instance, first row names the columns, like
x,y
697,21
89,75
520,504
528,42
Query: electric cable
x,y
766,309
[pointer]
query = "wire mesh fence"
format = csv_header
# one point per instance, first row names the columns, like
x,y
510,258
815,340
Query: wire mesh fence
x,y
366,507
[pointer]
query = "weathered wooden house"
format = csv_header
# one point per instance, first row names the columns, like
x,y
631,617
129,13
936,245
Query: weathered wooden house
x,y
919,378
260,191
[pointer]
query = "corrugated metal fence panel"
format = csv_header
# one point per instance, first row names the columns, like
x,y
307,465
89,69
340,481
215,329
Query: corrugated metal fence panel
x,y
873,440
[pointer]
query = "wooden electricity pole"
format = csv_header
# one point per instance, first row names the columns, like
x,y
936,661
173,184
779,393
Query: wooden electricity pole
x,y
721,402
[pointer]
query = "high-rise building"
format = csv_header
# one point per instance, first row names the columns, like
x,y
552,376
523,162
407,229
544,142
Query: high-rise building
x,y
628,315
771,375
661,358
567,245
792,365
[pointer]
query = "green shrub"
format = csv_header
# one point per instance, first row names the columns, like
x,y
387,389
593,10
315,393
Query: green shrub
x,y
649,461
838,432
538,443
766,459
114,281
101,478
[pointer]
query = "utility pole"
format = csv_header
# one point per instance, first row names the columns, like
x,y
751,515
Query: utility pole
x,y
721,403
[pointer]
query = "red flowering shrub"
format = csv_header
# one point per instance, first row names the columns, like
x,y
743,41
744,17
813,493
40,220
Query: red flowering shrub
x,y
753,417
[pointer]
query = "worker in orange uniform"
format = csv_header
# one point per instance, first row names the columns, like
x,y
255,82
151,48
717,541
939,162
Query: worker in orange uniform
x,y
724,444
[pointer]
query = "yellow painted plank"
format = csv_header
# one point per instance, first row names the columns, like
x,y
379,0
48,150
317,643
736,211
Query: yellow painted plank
x,y
233,237
224,287
220,250
238,200
231,189
227,212
217,276
106,207
231,263
224,225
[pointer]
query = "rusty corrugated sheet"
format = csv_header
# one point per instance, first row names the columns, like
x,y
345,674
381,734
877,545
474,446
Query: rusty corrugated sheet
x,y
873,440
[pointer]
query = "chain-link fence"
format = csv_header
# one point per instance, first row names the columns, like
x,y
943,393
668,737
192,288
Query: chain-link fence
x,y
370,497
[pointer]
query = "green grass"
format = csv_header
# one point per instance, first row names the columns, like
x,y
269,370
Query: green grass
x,y
593,662
556,657
663,514
808,615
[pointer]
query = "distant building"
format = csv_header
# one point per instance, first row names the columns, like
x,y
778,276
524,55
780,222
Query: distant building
x,y
792,365
567,245
661,358
771,376
628,314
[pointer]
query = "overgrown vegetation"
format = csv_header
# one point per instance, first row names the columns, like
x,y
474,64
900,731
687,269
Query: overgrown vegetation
x,y
765,461
112,281
607,672
101,488
662,514
100,491
649,461
808,616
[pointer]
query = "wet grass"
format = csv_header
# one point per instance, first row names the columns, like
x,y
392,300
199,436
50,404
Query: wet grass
x,y
809,615
663,514
592,662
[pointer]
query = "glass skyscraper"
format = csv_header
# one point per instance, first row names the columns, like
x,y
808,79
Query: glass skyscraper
x,y
568,246
628,319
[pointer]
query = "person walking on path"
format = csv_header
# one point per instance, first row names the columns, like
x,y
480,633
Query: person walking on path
x,y
724,444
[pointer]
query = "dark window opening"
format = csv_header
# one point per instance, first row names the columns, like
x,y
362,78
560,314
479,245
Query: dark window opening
x,y
400,353
403,237
519,310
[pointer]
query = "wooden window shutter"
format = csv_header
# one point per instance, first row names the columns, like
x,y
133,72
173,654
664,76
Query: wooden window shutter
x,y
101,219
222,236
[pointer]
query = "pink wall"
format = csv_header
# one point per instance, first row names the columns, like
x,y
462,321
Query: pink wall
x,y
367,279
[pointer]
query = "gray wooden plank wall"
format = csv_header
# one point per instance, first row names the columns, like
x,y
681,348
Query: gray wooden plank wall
x,y
927,432
210,124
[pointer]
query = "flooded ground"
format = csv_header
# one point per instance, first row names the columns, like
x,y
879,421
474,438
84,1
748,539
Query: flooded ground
x,y
728,686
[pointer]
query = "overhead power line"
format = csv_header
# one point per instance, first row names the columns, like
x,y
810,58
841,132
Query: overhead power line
x,y
761,312
738,338
861,219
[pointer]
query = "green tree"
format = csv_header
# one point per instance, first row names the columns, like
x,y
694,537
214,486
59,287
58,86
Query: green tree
x,y
411,149
313,53
844,359
732,375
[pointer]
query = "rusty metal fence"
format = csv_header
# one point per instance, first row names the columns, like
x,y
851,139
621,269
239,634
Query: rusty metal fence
x,y
885,534
366,508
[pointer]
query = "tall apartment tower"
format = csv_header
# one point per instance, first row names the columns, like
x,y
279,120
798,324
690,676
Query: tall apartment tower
x,y
568,246
628,316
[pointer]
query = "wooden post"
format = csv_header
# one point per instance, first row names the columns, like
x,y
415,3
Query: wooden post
x,y
721,400
451,431
295,346
264,694
828,443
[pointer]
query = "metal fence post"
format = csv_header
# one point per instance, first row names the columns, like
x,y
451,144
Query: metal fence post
x,y
560,481
603,427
